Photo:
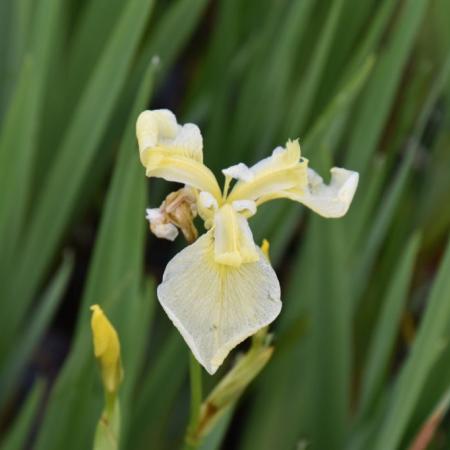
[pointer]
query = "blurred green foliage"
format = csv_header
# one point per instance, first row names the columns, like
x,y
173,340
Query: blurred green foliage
x,y
361,348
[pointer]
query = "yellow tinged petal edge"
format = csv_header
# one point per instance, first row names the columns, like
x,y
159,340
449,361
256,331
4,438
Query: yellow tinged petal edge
x,y
214,306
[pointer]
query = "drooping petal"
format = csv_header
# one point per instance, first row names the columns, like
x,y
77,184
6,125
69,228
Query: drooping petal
x,y
233,238
284,170
173,152
329,200
215,307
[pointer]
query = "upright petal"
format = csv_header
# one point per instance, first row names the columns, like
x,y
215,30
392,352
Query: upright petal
x,y
215,307
173,152
160,128
284,170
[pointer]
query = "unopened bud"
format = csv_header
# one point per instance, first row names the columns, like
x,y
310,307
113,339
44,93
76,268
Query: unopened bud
x,y
106,349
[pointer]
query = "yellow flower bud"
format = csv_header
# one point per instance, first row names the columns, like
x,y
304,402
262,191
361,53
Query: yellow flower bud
x,y
106,349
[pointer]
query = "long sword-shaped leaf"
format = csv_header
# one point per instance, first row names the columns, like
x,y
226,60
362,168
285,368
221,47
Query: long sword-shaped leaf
x,y
19,134
380,94
36,326
114,280
387,326
151,413
60,189
22,426
426,347
304,96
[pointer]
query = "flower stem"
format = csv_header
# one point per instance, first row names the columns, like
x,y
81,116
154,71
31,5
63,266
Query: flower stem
x,y
195,372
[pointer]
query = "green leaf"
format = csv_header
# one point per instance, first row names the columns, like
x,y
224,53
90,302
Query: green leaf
x,y
18,142
138,316
303,98
385,333
114,278
384,217
38,323
426,347
22,426
154,404
67,173
281,220
373,111
329,352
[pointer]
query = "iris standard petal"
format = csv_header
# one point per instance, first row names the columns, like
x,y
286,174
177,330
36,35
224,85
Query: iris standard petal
x,y
284,170
215,307
160,128
173,152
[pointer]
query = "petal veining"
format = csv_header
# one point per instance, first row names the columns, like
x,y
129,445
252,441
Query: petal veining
x,y
215,307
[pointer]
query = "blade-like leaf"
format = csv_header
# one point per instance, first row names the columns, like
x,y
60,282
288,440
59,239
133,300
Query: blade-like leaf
x,y
22,426
387,326
379,96
36,327
114,278
426,347
66,175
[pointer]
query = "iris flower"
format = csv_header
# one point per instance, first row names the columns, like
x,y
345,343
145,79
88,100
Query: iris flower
x,y
221,289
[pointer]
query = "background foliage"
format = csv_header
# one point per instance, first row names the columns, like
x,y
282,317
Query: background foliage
x,y
361,348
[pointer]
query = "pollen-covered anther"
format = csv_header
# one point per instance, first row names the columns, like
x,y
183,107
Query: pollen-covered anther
x,y
177,211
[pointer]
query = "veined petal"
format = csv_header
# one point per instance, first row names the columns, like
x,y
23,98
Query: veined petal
x,y
172,151
215,307
284,170
233,238
332,200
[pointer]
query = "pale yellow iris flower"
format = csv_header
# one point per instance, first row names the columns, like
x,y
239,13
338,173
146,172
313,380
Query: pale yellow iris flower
x,y
221,289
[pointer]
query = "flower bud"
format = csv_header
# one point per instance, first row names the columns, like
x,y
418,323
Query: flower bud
x,y
106,349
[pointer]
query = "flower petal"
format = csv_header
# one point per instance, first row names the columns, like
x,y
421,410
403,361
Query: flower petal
x,y
160,128
172,151
284,170
233,238
215,307
332,200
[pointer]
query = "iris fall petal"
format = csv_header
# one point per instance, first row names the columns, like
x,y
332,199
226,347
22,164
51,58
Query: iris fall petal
x,y
214,306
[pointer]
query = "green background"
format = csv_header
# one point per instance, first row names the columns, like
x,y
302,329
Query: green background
x,y
361,355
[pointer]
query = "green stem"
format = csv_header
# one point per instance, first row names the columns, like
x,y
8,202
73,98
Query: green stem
x,y
195,372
